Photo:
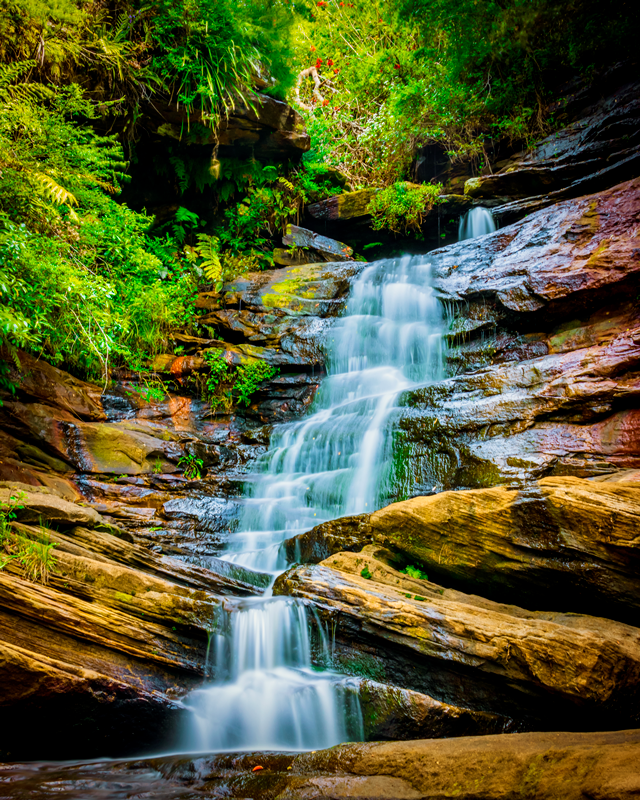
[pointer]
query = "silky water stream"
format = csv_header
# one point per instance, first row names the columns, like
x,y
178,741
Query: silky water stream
x,y
337,460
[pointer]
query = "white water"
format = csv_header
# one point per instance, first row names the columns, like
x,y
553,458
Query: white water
x,y
335,461
476,222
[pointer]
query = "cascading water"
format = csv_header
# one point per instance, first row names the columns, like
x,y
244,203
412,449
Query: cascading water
x,y
476,222
336,461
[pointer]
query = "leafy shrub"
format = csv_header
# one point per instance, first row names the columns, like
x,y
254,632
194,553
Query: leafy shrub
x,y
33,555
415,572
402,207
225,385
192,467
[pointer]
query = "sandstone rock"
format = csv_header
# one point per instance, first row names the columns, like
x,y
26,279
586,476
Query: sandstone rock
x,y
517,766
116,635
308,290
392,713
578,246
301,237
44,382
605,138
120,447
561,542
32,506
540,668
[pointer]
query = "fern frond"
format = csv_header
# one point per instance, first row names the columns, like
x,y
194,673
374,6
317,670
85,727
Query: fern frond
x,y
287,183
208,250
58,194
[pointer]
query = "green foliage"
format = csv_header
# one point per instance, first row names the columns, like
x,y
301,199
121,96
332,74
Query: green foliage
x,y
395,75
34,556
415,572
225,385
249,376
402,207
81,278
192,467
365,573
207,53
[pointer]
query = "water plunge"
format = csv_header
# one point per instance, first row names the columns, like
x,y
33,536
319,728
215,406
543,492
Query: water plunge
x,y
337,460
476,222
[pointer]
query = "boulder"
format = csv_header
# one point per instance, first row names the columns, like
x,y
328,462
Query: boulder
x,y
545,669
515,766
330,248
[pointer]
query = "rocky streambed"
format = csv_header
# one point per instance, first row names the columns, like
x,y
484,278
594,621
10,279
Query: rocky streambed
x,y
499,595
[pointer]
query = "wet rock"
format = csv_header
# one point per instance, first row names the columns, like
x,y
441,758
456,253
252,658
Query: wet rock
x,y
597,765
329,248
391,713
579,246
605,142
298,291
540,668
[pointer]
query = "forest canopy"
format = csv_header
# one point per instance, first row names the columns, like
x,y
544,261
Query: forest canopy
x,y
92,283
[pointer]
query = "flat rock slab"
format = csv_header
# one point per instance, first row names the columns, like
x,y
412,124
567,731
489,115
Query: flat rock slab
x,y
469,651
545,766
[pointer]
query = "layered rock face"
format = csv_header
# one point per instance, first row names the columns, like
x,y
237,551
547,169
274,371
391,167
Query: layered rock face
x,y
96,633
545,336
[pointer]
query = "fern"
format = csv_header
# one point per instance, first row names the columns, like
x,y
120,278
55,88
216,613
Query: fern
x,y
208,250
58,194
287,184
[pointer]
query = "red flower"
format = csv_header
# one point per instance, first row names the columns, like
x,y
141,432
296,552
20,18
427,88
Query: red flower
x,y
313,99
325,102
319,62
313,49
341,4
396,66
336,71
329,62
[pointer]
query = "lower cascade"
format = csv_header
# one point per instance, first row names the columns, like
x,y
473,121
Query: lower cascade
x,y
337,460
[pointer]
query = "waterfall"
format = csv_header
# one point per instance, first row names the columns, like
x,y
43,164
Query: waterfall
x,y
266,695
337,460
476,222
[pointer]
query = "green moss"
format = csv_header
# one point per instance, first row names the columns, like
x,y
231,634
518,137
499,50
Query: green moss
x,y
122,597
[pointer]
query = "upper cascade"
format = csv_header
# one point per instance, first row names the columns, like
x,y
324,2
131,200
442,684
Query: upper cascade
x,y
338,460
476,222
